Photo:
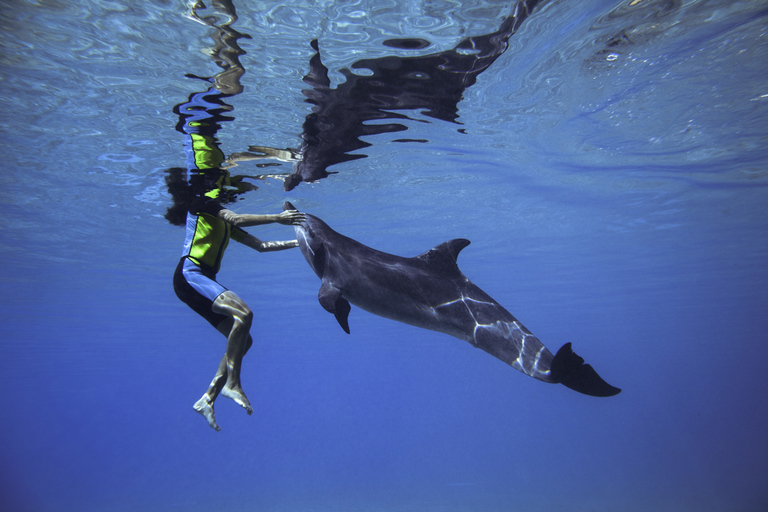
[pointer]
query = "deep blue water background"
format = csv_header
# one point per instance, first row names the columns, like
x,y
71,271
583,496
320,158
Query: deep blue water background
x,y
616,197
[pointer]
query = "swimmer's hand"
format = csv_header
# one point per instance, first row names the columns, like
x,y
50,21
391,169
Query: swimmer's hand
x,y
289,217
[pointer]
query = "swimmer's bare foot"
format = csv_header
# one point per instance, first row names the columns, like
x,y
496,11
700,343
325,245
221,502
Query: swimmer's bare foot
x,y
205,407
238,395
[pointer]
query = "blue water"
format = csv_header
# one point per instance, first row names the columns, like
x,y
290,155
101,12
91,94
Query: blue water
x,y
610,168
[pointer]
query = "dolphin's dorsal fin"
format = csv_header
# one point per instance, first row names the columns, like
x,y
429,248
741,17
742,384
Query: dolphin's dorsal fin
x,y
442,258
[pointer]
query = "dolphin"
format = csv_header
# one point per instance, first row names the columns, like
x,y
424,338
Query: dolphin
x,y
429,291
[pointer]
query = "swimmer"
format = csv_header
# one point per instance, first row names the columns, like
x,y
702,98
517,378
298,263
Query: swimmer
x,y
210,226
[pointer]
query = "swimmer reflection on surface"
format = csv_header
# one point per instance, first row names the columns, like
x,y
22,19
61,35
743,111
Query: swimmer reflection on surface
x,y
209,228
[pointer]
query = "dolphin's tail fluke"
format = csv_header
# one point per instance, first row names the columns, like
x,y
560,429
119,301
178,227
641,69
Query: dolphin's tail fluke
x,y
569,370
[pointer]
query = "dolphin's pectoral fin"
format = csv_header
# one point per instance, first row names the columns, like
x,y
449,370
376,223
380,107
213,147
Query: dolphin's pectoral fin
x,y
328,295
342,313
442,258
569,370
332,301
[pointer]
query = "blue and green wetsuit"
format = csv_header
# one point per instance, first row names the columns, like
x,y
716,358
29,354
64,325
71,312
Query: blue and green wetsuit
x,y
207,238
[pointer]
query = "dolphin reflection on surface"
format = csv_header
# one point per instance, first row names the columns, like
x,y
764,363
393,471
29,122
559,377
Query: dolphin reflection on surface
x,y
432,84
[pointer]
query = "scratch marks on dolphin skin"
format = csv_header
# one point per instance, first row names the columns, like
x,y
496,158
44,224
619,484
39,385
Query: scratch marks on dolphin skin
x,y
303,235
524,350
537,359
463,299
533,359
512,331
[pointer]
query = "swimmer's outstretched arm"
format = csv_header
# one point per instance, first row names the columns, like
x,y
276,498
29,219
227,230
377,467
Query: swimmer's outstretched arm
x,y
265,246
243,220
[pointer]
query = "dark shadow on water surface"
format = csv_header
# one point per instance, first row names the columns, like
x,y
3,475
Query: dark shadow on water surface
x,y
383,88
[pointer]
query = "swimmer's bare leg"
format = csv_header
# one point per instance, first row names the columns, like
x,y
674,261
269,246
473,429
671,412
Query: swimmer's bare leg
x,y
205,405
229,304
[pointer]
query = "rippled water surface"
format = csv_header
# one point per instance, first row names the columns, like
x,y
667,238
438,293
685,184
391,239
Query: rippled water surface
x,y
610,166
